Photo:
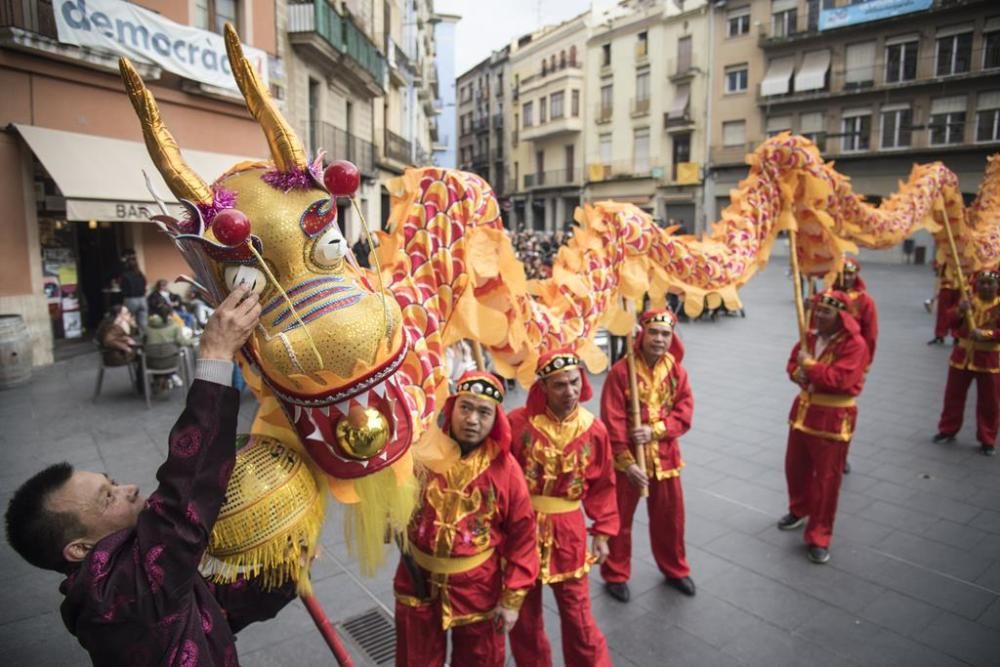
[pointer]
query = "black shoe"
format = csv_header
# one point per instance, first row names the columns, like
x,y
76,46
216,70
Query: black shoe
x,y
618,591
847,468
818,555
684,584
790,522
943,437
988,451
937,340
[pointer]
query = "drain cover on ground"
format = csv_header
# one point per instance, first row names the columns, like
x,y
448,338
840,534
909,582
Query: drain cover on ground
x,y
373,635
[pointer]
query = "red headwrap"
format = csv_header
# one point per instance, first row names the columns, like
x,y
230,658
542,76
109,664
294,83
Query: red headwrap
x,y
550,363
986,273
481,385
661,317
853,266
842,304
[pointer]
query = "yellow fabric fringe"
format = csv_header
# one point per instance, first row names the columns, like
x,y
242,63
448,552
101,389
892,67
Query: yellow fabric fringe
x,y
383,510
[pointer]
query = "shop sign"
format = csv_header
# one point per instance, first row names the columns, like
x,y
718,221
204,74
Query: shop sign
x,y
872,10
115,211
138,33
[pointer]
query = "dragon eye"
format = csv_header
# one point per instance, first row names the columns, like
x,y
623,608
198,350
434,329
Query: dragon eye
x,y
238,274
329,248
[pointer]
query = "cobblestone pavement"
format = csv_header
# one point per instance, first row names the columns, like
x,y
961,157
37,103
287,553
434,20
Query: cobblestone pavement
x,y
915,573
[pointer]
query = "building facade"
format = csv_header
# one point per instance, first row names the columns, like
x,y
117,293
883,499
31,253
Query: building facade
x,y
71,149
877,93
443,133
547,122
647,85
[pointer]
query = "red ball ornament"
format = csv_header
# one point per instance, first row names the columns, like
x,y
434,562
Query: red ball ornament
x,y
342,178
231,227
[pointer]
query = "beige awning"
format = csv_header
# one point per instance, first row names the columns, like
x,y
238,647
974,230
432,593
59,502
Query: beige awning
x,y
679,108
812,74
778,79
101,178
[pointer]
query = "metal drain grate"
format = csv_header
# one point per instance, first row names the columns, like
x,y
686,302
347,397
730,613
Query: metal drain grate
x,y
373,634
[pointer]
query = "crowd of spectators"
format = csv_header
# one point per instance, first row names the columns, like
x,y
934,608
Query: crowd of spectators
x,y
537,250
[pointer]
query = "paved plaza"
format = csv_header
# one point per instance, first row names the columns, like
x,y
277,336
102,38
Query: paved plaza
x,y
915,572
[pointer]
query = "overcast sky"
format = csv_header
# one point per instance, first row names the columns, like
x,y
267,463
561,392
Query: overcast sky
x,y
487,25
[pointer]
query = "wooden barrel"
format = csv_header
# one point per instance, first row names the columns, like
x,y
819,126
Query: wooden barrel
x,y
15,351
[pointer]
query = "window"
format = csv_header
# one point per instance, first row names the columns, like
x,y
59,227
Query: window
x,y
681,151
542,108
640,150
736,79
813,8
777,124
642,45
683,55
947,121
642,88
784,17
606,101
734,133
552,62
988,116
570,152
605,55
856,130
529,116
562,59
901,60
738,22
604,144
896,130
954,54
991,49
572,56
214,14
574,105
556,105
859,65
811,127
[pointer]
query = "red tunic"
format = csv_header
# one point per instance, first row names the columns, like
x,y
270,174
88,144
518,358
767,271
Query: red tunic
x,y
566,463
825,408
665,403
978,356
864,311
477,508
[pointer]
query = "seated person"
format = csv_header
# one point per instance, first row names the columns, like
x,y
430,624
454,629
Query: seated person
x,y
133,594
163,341
115,336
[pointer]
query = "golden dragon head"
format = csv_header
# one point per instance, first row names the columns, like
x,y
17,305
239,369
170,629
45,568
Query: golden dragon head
x,y
329,341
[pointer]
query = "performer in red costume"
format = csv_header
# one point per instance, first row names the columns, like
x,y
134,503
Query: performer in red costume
x,y
948,296
976,357
831,372
666,407
472,556
862,308
567,461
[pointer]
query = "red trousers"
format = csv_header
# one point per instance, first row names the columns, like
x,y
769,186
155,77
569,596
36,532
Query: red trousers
x,y
987,404
583,643
666,529
948,298
814,468
420,641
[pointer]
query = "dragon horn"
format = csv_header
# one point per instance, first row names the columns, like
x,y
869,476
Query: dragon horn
x,y
166,155
286,150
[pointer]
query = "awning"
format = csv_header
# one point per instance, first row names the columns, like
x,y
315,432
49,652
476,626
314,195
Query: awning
x,y
812,74
778,79
679,108
101,178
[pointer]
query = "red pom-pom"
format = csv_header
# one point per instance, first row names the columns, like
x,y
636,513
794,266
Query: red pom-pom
x,y
231,227
342,178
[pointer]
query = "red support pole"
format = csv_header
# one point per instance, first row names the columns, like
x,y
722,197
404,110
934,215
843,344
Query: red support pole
x,y
326,629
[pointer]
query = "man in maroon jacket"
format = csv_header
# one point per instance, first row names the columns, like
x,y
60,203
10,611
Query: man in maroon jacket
x,y
133,592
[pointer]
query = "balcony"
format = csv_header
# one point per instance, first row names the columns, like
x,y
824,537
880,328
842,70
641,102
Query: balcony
x,y
680,70
481,124
497,120
552,179
553,128
397,148
514,138
602,114
597,172
536,82
336,43
342,145
640,106
641,52
497,153
731,155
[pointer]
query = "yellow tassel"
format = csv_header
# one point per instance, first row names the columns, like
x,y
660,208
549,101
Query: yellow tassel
x,y
383,511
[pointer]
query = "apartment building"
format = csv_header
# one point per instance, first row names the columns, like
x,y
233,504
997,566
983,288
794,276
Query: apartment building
x,y
876,90
72,153
647,83
547,121
484,126
444,136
